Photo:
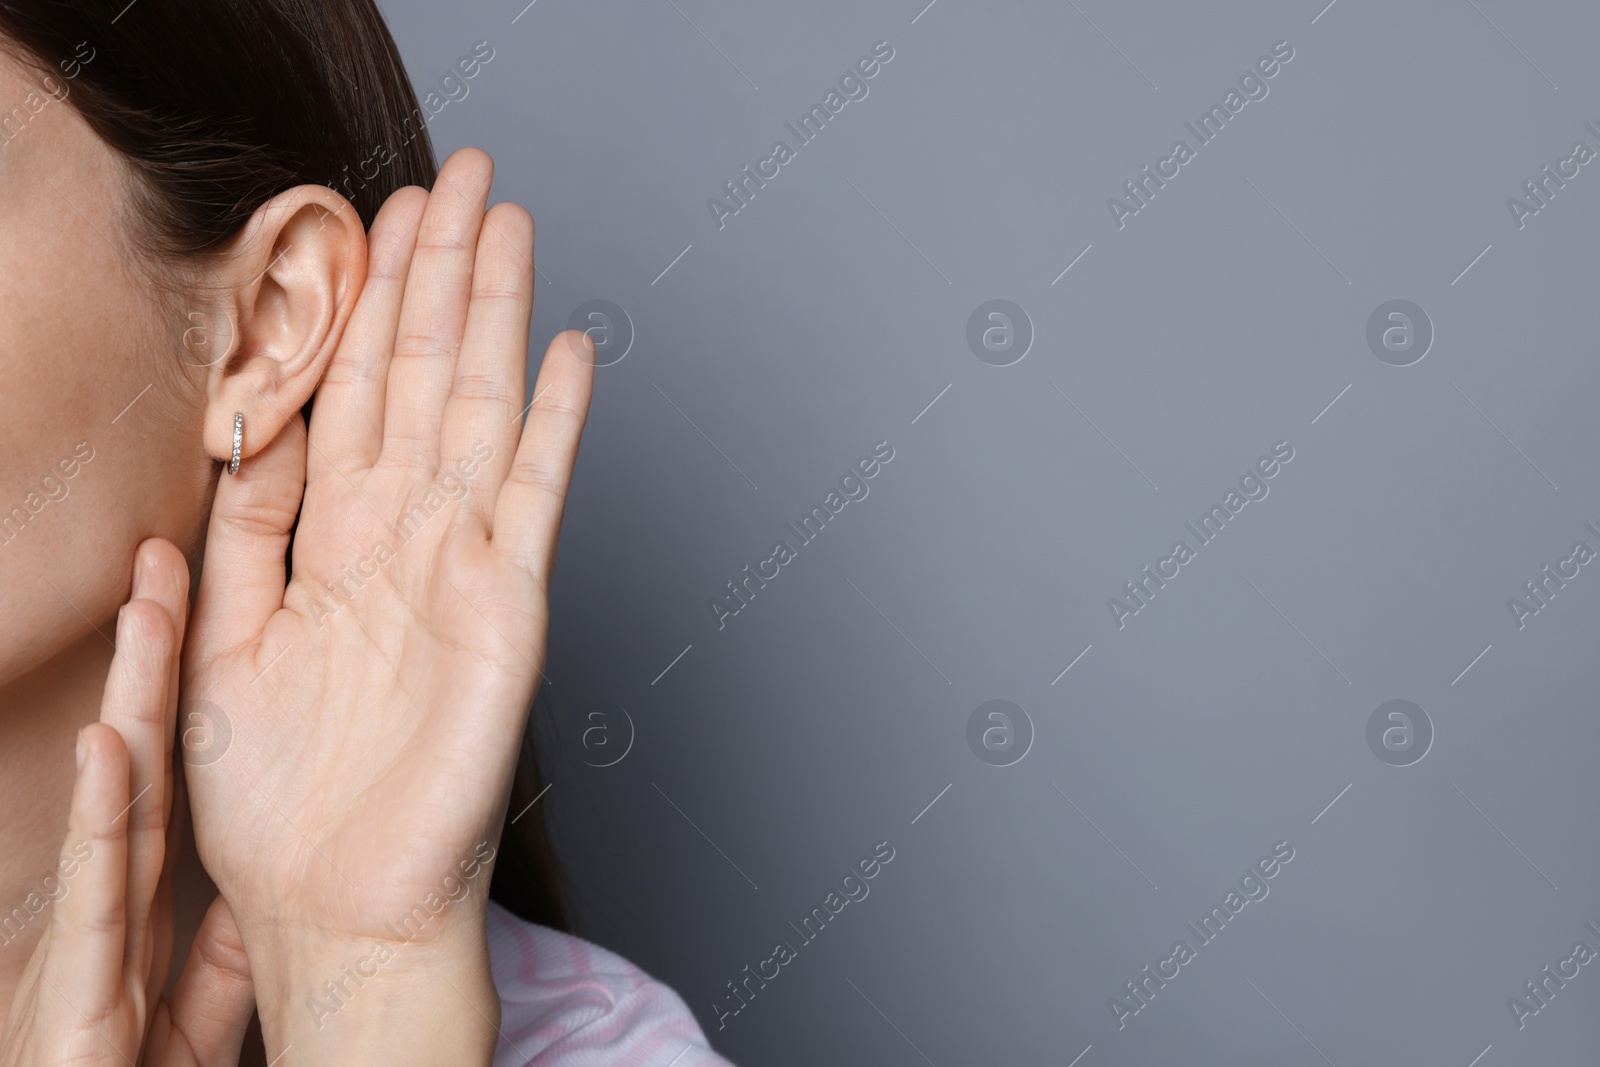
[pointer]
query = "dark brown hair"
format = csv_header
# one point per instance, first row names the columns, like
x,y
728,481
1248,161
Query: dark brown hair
x,y
219,105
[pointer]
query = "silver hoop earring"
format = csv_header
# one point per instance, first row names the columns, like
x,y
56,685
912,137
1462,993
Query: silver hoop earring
x,y
238,442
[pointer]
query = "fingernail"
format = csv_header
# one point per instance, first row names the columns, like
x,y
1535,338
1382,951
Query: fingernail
x,y
80,750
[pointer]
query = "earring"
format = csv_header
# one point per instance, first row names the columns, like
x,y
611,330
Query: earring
x,y
238,441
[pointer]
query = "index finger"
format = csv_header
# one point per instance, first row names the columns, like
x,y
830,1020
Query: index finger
x,y
347,417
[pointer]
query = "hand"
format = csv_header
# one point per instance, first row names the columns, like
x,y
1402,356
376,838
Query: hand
x,y
376,700
95,979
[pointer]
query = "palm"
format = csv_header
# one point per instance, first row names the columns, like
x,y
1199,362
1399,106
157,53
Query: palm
x,y
373,711
382,708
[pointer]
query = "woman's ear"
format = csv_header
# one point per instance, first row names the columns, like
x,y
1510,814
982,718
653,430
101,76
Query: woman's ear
x,y
288,285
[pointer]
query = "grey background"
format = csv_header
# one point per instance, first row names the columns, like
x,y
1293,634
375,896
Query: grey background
x,y
1222,318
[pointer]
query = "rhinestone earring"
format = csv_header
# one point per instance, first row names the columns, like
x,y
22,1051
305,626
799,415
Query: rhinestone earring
x,y
238,442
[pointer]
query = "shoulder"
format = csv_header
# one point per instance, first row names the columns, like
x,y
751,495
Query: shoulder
x,y
565,1002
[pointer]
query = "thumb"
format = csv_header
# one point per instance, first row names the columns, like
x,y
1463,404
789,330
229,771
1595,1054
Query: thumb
x,y
211,1006
242,578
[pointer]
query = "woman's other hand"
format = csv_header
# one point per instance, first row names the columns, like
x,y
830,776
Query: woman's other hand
x,y
91,994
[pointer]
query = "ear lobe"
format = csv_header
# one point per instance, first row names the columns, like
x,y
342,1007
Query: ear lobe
x,y
289,284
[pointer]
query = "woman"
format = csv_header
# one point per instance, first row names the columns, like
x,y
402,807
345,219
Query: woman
x,y
212,213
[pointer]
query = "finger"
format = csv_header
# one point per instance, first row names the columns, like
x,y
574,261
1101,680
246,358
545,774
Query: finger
x,y
347,420
483,414
243,580
215,997
434,312
158,964
87,934
527,513
135,705
168,571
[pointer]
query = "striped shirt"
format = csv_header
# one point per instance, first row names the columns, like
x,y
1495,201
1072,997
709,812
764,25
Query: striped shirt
x,y
567,1003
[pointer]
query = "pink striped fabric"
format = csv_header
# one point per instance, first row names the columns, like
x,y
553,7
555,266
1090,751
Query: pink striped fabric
x,y
567,1003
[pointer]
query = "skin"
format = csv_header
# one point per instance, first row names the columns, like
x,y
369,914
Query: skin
x,y
370,730
92,993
